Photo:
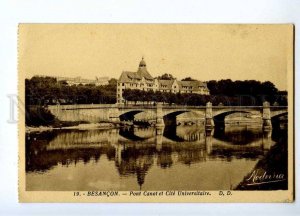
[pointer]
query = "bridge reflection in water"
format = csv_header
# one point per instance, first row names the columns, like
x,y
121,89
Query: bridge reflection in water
x,y
182,157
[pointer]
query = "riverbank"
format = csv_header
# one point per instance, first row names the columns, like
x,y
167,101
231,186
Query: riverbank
x,y
80,126
270,173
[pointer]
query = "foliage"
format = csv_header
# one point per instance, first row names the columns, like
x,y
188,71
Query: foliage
x,y
188,79
247,87
39,115
248,90
46,90
223,92
166,77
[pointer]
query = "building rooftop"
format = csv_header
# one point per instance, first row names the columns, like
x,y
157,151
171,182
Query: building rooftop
x,y
166,84
192,83
142,72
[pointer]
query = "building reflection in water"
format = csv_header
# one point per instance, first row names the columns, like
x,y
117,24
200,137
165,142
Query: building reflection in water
x,y
136,150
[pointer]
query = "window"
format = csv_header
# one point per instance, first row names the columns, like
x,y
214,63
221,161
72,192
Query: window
x,y
122,84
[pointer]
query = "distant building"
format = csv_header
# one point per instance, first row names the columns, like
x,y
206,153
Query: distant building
x,y
98,81
142,80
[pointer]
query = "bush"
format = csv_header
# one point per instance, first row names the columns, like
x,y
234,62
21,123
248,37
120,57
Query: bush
x,y
39,116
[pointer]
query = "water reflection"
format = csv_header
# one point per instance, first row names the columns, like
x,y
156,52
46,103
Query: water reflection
x,y
183,157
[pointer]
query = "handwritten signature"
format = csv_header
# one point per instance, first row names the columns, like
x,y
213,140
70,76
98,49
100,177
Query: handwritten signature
x,y
263,177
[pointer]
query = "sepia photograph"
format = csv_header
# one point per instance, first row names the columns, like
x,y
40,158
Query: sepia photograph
x,y
156,112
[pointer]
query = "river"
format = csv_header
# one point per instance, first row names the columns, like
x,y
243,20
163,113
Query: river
x,y
175,158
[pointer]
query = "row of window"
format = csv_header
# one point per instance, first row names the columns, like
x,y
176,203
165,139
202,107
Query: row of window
x,y
165,90
187,87
162,86
136,85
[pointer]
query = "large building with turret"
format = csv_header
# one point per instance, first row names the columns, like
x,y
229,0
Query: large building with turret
x,y
142,80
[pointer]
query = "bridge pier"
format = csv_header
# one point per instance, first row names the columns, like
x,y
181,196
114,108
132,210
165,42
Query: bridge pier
x,y
118,153
158,139
266,116
267,139
159,116
209,122
208,143
113,114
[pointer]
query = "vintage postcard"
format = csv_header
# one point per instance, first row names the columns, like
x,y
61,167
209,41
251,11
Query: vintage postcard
x,y
156,113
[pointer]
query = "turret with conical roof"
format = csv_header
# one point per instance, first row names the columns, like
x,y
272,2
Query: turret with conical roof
x,y
142,71
142,63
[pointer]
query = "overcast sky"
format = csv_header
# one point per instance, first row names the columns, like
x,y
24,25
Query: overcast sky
x,y
204,52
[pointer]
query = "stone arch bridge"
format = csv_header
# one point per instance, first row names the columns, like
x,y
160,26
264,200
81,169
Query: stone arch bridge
x,y
163,114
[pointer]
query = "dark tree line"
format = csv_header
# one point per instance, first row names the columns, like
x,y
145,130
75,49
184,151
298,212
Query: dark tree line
x,y
223,92
247,87
47,90
248,90
43,91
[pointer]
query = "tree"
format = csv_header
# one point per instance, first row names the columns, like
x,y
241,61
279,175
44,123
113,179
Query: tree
x,y
188,79
166,76
47,90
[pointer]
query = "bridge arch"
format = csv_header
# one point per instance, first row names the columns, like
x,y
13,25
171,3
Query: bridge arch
x,y
219,119
129,133
133,115
279,114
129,116
170,116
238,136
275,119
